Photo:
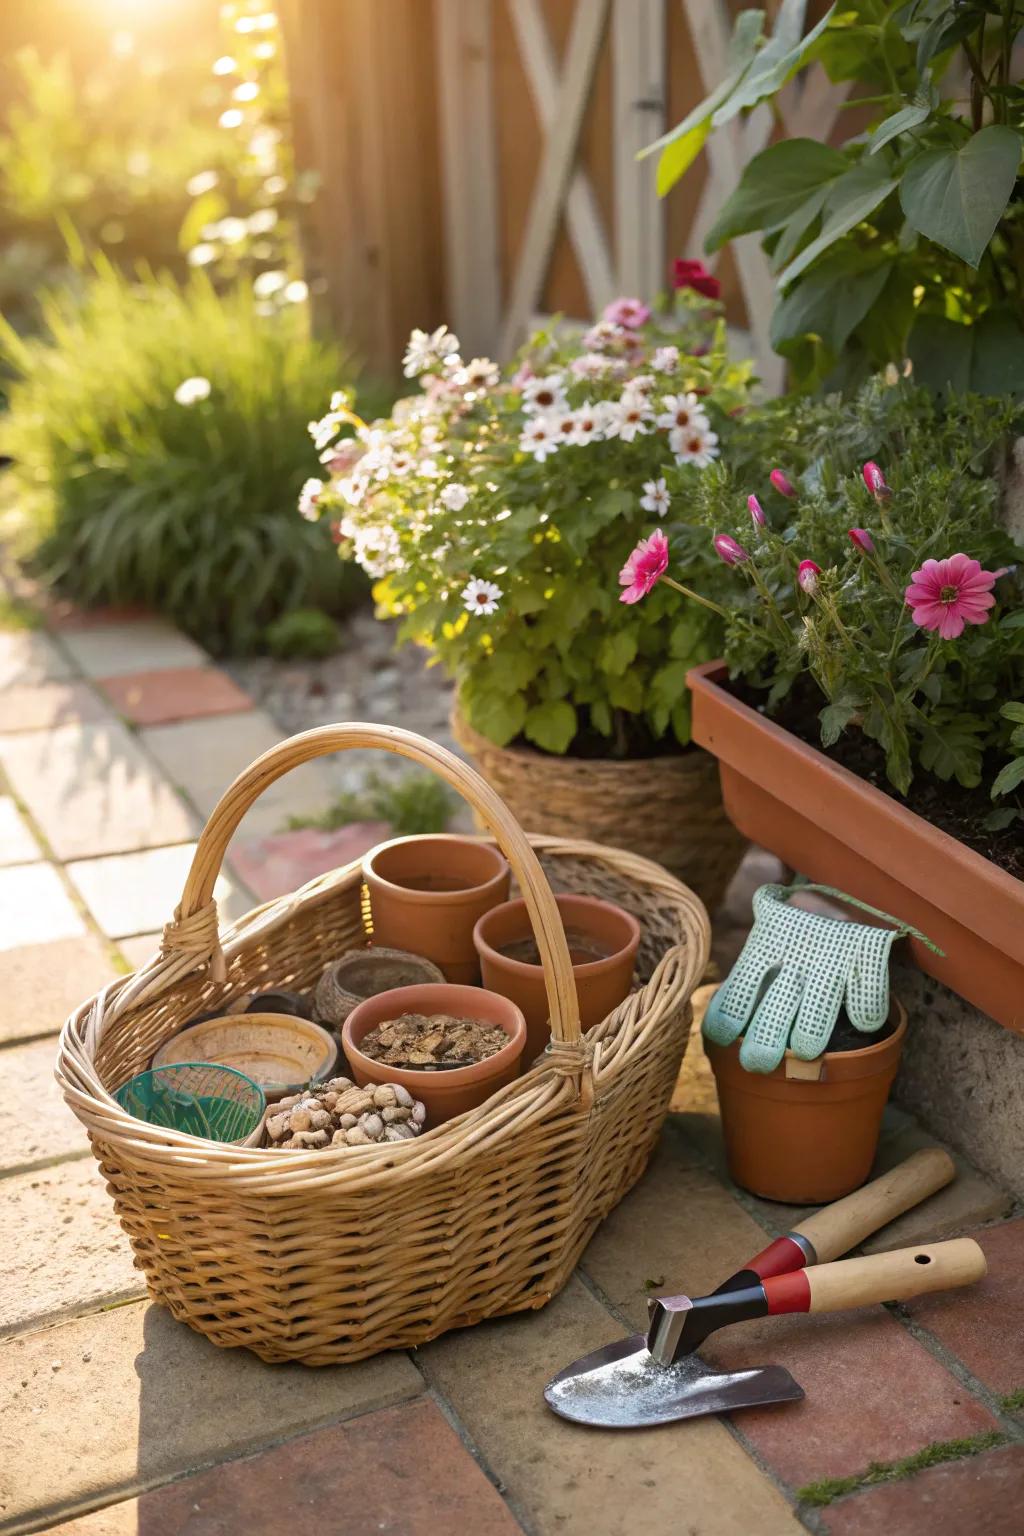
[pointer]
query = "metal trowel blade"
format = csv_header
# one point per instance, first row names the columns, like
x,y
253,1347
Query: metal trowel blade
x,y
622,1386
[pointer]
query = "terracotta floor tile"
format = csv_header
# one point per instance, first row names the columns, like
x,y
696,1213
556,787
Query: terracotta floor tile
x,y
873,1393
984,1325
401,1471
983,1494
273,866
174,693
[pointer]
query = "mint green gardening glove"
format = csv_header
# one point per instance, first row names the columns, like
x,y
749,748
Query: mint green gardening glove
x,y
794,973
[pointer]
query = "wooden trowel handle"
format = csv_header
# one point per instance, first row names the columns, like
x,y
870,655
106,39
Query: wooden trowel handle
x,y
895,1276
837,1228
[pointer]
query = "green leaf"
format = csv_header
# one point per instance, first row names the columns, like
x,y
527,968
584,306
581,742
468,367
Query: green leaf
x,y
834,720
950,748
998,821
498,716
774,186
676,158
986,359
830,302
957,197
1013,712
799,225
1009,778
627,693
742,47
601,717
551,726
668,685
853,196
617,652
775,63
899,122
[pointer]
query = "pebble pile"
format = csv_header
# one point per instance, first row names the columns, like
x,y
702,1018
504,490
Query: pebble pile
x,y
337,1113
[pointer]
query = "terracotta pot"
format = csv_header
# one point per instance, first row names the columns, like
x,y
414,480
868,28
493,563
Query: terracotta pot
x,y
426,894
600,984
799,1140
445,1094
666,808
835,827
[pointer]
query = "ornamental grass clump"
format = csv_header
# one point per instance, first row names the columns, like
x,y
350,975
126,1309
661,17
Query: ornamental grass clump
x,y
156,438
877,567
492,508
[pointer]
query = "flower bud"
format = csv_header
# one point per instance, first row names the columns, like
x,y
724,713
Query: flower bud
x,y
807,574
727,549
783,484
863,540
757,516
875,481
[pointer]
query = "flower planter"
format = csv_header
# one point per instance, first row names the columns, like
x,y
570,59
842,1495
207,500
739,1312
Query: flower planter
x,y
835,827
667,808
806,1133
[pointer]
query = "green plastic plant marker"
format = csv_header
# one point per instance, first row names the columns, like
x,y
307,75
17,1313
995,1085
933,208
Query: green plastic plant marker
x,y
197,1098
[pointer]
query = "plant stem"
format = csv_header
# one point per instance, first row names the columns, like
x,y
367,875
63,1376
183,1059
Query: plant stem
x,y
705,602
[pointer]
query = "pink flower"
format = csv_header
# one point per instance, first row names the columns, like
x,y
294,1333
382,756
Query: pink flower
x,y
863,540
807,574
523,374
782,484
644,568
729,550
756,511
695,275
629,313
947,594
875,481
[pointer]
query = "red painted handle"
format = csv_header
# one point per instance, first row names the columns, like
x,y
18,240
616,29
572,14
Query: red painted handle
x,y
788,1293
779,1258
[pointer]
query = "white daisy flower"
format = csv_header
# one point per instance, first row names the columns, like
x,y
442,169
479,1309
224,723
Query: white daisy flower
x,y
454,496
665,359
681,412
479,373
603,335
540,437
642,384
190,391
401,463
546,394
377,550
589,365
425,349
696,446
586,426
353,488
481,596
656,497
630,418
308,498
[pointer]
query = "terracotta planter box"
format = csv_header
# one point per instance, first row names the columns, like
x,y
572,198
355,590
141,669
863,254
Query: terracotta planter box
x,y
836,828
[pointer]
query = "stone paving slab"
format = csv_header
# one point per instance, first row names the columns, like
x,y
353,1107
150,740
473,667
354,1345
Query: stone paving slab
x,y
17,845
43,706
141,645
41,983
401,1469
278,865
28,657
174,693
970,1199
35,907
92,790
140,1398
983,1494
984,1325
140,948
46,1129
564,1480
71,1251
133,893
60,614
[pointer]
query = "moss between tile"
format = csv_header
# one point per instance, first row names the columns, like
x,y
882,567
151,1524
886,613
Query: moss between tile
x,y
831,1488
1013,1402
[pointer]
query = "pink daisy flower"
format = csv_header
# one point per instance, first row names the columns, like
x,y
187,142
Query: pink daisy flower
x,y
947,594
862,539
729,549
644,568
629,313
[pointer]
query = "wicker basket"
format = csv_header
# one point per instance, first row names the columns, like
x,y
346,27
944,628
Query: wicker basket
x,y
330,1256
666,808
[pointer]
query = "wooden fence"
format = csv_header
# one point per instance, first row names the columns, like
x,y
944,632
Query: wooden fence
x,y
477,161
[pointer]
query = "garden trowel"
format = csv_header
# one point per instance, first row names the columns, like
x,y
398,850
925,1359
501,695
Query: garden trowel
x,y
657,1378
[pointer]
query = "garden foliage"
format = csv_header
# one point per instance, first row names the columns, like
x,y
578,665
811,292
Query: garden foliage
x,y
908,237
157,436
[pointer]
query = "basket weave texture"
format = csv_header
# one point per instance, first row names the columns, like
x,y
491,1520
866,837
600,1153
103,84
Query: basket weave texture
x,y
331,1256
665,808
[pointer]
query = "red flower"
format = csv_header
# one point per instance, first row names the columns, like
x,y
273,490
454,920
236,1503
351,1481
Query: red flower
x,y
695,275
644,568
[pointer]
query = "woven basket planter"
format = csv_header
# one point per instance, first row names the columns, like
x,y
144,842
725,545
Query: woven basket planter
x,y
664,808
331,1256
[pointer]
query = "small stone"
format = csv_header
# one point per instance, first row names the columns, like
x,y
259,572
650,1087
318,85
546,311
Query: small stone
x,y
347,1122
419,1114
87,1356
385,1097
373,1125
357,1138
54,1365
403,1095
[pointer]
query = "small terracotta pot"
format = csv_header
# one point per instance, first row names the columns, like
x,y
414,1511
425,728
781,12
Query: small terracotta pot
x,y
446,1094
426,894
600,984
801,1141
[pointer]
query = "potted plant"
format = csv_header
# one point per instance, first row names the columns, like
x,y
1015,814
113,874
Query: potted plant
x,y
491,509
903,239
868,710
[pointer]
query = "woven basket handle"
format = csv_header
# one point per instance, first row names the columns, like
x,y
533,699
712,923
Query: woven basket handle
x,y
194,930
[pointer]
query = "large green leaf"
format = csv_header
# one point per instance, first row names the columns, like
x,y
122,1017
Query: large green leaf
x,y
774,186
775,63
551,726
853,197
899,122
987,358
830,302
957,197
742,47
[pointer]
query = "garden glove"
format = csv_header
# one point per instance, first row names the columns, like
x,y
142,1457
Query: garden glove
x,y
794,973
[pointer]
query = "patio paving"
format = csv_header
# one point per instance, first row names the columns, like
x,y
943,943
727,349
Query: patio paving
x,y
114,1419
